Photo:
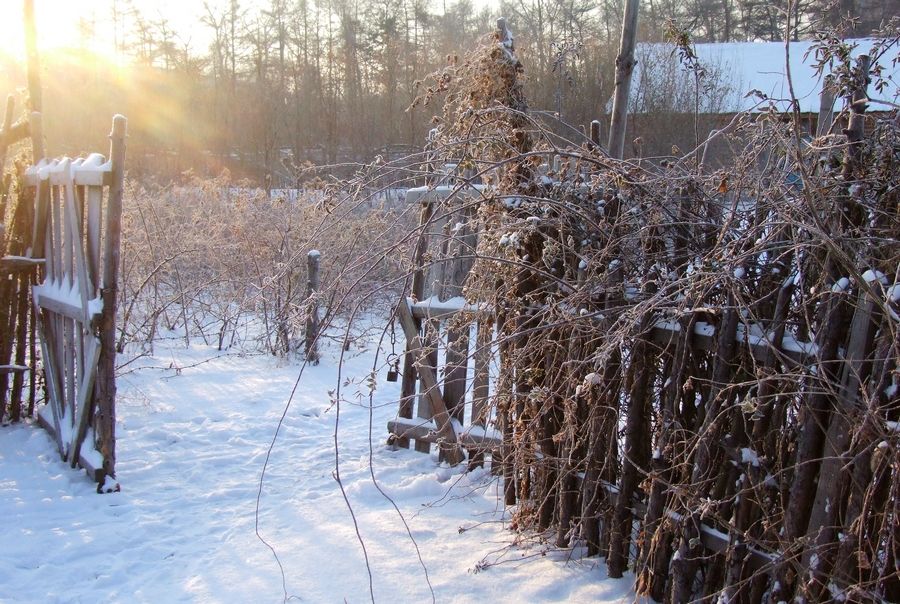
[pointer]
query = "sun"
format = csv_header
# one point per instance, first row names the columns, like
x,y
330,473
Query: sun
x,y
59,25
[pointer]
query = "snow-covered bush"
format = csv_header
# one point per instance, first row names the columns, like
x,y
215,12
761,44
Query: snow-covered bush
x,y
204,258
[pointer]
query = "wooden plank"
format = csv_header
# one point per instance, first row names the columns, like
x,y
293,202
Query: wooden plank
x,y
91,171
55,238
38,173
42,215
48,356
429,358
46,297
94,473
80,281
713,540
438,310
312,316
456,369
429,381
480,385
430,194
481,358
94,200
85,398
456,362
477,440
15,264
824,521
791,352
79,276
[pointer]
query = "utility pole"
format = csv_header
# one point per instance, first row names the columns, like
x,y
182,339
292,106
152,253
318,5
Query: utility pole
x,y
624,68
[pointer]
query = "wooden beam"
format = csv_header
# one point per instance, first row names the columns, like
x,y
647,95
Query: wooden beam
x,y
94,473
85,399
415,428
712,539
48,356
91,171
45,296
106,370
427,195
15,264
790,352
433,309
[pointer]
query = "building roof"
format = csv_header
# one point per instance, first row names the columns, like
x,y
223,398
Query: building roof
x,y
733,70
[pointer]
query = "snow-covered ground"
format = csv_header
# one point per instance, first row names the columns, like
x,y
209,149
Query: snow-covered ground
x,y
194,429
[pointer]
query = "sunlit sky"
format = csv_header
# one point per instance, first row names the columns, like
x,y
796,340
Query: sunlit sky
x,y
60,21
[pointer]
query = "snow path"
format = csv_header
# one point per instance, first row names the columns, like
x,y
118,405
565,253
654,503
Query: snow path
x,y
191,447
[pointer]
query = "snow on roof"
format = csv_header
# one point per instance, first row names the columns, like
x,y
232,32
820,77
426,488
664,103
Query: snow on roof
x,y
733,70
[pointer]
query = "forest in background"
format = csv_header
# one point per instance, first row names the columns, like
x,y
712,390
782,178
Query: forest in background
x,y
332,81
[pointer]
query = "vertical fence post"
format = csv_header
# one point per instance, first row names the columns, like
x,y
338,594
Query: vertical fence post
x,y
410,374
595,132
312,317
826,106
106,372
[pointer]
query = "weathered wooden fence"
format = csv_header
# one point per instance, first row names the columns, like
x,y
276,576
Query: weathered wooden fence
x,y
17,274
738,442
74,242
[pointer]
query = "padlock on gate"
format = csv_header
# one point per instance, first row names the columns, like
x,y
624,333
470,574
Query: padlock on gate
x,y
394,371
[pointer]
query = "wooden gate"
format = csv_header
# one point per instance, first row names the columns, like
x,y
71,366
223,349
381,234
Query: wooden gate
x,y
77,234
436,317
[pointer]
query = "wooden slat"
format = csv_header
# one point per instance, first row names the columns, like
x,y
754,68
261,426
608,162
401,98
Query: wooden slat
x,y
79,276
46,298
439,193
94,473
85,398
430,342
790,352
480,385
713,540
412,428
41,217
92,171
94,199
439,311
55,239
14,264
48,354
